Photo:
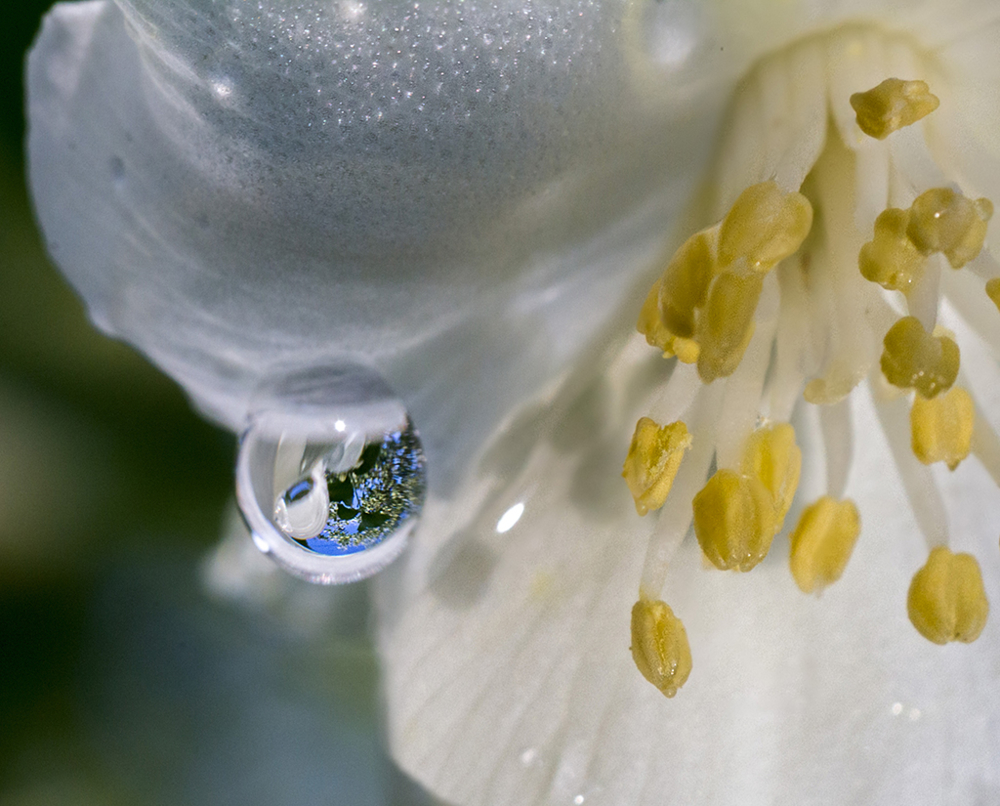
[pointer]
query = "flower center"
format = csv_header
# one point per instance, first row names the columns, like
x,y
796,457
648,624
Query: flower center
x,y
839,232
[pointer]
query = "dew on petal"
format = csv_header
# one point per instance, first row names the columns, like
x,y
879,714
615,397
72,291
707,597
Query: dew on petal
x,y
331,475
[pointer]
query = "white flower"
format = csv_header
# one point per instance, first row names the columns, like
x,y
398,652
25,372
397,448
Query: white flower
x,y
472,199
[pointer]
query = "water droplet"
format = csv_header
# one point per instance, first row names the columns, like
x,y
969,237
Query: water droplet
x,y
222,87
331,475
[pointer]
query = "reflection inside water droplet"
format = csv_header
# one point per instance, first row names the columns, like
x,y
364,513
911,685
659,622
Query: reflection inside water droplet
x,y
345,505
331,475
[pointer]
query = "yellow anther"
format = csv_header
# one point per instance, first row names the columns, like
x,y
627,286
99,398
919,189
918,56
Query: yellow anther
x,y
684,286
772,456
892,105
725,324
687,350
838,381
942,220
890,258
942,428
660,646
651,325
652,462
947,601
993,290
822,543
734,520
657,335
764,226
913,358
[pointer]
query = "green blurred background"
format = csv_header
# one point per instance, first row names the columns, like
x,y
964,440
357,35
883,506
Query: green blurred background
x,y
121,680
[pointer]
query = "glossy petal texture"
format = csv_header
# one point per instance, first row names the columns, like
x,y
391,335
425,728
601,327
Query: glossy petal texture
x,y
446,191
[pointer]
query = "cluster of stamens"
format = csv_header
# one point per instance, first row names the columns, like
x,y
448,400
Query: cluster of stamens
x,y
732,306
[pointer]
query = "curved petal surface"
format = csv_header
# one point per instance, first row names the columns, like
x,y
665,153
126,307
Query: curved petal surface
x,y
442,191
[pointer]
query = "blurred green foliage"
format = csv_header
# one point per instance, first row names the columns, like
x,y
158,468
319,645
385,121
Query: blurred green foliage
x,y
171,469
100,457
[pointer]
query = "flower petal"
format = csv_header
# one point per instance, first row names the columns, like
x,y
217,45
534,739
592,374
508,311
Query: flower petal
x,y
510,681
443,192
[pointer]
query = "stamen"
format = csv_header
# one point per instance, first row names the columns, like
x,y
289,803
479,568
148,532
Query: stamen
x,y
651,326
850,347
942,427
678,396
674,520
794,353
838,443
892,105
822,543
915,359
684,286
871,181
924,297
921,490
890,258
734,520
993,291
653,460
946,601
703,306
811,331
772,456
808,112
763,227
726,325
942,220
743,390
660,646
856,59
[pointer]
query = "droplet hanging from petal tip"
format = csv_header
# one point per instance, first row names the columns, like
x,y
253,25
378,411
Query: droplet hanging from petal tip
x,y
331,474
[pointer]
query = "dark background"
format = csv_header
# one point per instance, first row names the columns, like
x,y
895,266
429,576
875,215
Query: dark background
x,y
121,680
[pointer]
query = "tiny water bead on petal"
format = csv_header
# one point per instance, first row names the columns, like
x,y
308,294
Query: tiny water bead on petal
x,y
331,475
847,217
